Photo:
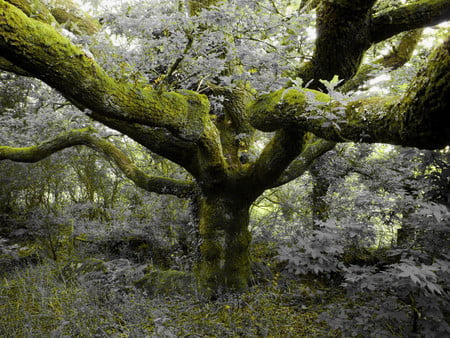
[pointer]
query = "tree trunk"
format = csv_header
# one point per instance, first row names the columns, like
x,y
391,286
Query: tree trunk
x,y
225,240
319,206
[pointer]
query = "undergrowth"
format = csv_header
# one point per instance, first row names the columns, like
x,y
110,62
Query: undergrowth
x,y
36,302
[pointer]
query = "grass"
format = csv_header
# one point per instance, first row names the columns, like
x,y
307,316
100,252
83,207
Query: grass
x,y
36,302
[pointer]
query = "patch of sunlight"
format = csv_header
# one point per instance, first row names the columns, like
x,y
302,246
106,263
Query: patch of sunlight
x,y
375,84
380,150
312,33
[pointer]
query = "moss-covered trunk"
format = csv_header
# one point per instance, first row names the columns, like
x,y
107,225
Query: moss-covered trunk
x,y
223,224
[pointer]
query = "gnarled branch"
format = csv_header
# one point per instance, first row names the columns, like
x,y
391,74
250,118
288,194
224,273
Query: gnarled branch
x,y
41,51
418,119
87,137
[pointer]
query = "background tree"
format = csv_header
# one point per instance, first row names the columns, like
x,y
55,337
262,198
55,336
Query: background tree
x,y
188,89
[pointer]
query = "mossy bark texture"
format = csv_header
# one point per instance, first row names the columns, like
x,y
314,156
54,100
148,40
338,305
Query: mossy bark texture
x,y
417,119
223,224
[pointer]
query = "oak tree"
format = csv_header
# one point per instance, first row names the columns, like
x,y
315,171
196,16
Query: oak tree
x,y
206,122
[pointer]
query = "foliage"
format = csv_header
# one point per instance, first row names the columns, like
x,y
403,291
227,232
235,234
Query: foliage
x,y
169,48
34,302
317,252
406,297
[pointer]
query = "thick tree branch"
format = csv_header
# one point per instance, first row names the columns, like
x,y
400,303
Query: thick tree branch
x,y
68,14
342,38
35,9
418,119
86,136
346,29
64,13
282,149
395,59
40,50
312,150
417,15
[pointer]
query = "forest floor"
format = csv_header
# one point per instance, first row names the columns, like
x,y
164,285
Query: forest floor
x,y
98,299
99,293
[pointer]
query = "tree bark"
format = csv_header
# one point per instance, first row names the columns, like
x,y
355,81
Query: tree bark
x,y
223,225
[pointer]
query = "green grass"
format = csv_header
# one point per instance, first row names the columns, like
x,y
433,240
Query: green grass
x,y
35,302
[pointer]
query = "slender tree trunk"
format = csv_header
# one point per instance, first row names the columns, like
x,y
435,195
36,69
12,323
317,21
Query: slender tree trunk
x,y
225,240
319,206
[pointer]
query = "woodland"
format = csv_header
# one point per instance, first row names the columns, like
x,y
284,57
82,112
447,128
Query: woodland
x,y
224,168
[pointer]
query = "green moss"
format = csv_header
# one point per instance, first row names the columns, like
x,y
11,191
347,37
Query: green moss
x,y
275,110
7,152
375,108
55,60
35,9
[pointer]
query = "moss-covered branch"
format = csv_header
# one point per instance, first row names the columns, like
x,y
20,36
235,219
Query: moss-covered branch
x,y
342,38
68,14
64,12
411,16
35,9
41,51
60,12
87,137
417,119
